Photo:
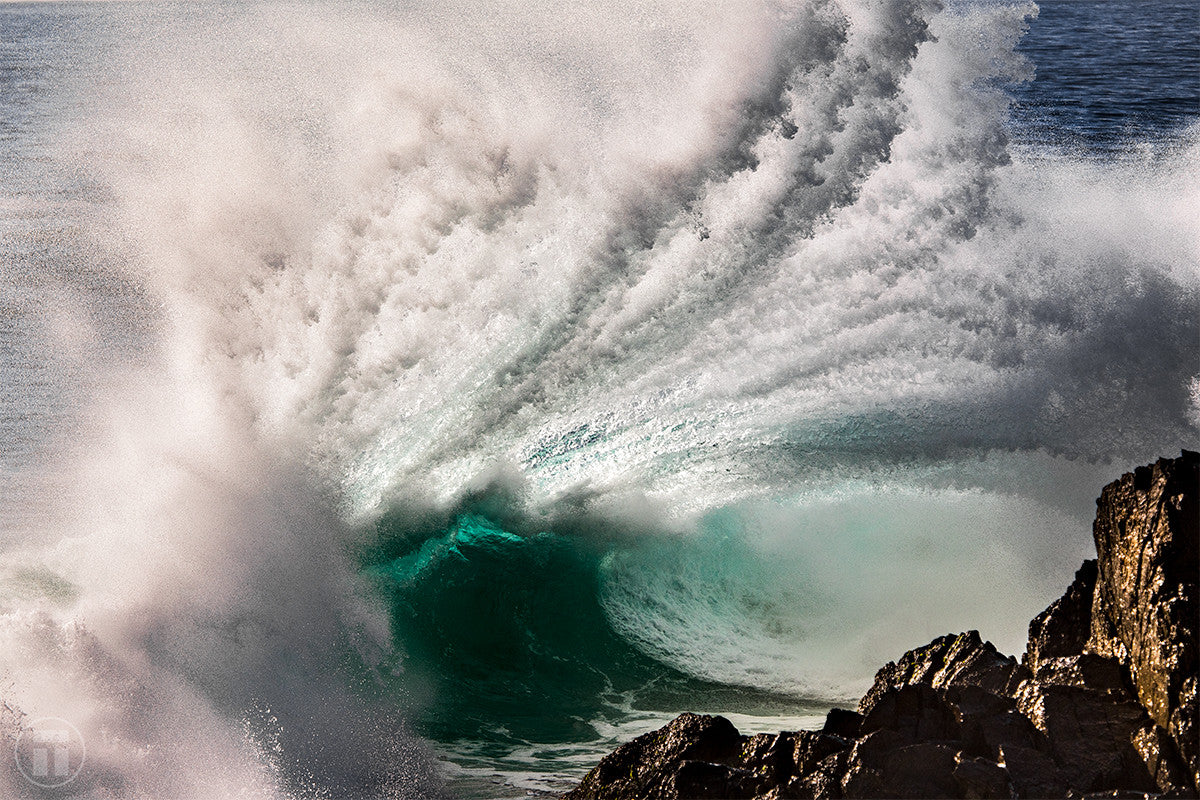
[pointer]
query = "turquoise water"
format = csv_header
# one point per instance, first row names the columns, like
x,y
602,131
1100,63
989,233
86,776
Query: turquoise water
x,y
506,626
407,399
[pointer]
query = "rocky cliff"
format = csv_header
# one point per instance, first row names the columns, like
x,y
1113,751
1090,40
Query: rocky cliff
x,y
1103,702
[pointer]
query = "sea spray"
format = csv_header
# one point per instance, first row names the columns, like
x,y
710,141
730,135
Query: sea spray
x,y
509,373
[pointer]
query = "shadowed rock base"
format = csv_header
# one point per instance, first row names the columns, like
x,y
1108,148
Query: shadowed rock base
x,y
1102,704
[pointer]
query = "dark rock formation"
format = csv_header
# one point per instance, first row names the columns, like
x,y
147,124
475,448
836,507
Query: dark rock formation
x,y
1063,628
1103,702
1145,608
659,764
950,661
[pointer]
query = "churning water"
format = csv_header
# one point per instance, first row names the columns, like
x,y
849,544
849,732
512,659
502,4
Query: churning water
x,y
402,392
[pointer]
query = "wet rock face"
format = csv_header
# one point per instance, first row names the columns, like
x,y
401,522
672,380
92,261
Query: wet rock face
x,y
1103,702
1063,628
651,765
1145,608
1089,734
962,660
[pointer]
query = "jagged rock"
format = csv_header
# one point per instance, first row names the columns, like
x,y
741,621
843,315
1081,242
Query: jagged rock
x,y
881,766
962,660
814,748
1161,757
917,712
792,790
842,722
1146,606
1185,727
981,779
825,781
1085,670
870,751
1032,773
1090,733
647,766
923,770
702,780
1063,628
1103,703
772,758
864,765
989,722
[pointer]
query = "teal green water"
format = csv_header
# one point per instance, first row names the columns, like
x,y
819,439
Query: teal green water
x,y
859,366
508,636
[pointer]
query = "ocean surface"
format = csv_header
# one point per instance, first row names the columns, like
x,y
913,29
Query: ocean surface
x,y
411,399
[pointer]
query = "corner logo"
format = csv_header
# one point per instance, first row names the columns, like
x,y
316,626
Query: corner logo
x,y
50,752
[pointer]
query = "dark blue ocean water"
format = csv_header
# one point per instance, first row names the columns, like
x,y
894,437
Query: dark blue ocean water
x,y
1110,73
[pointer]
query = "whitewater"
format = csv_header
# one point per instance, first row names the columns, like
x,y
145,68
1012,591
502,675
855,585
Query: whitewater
x,y
415,399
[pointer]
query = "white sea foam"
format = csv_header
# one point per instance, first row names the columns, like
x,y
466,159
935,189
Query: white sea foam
x,y
656,262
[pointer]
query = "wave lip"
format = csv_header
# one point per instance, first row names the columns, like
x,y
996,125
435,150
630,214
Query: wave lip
x,y
765,323
511,635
